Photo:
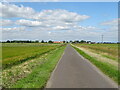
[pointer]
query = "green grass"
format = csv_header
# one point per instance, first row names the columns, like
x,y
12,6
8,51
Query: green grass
x,y
14,54
40,74
110,57
104,67
107,50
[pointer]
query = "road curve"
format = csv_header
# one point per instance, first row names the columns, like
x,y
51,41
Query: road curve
x,y
73,71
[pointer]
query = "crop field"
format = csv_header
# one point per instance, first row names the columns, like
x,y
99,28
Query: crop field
x,y
16,53
106,50
104,56
22,60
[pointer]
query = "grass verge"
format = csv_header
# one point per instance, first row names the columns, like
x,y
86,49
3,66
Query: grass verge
x,y
109,51
14,55
104,67
40,75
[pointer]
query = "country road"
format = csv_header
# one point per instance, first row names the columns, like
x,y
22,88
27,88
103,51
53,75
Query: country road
x,y
73,71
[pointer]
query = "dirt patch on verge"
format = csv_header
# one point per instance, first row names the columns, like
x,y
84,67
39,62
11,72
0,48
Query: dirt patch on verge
x,y
99,57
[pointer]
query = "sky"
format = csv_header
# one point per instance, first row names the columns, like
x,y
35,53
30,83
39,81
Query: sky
x,y
59,21
60,0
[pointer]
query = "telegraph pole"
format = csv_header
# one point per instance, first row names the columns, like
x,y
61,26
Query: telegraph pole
x,y
102,38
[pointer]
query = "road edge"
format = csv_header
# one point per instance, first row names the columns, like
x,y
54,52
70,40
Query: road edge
x,y
98,70
48,84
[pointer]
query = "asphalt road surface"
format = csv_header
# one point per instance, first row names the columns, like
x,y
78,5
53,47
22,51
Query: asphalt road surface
x,y
73,71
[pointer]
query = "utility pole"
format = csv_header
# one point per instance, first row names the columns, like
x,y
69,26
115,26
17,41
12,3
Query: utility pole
x,y
102,38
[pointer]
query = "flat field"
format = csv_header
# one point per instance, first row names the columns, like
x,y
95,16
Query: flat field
x,y
106,50
13,54
104,56
24,63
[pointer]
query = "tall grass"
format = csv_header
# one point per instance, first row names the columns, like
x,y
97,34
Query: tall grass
x,y
104,67
14,54
106,50
39,76
32,70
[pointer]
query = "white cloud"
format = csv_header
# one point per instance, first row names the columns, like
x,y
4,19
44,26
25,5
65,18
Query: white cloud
x,y
13,29
59,14
30,0
28,23
10,11
110,23
86,28
6,22
44,0
54,24
41,33
60,0
56,19
113,24
61,28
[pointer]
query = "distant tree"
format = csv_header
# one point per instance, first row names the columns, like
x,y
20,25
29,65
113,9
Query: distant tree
x,y
82,41
29,41
118,42
22,41
42,41
64,41
8,41
50,41
71,41
77,41
89,42
36,41
26,41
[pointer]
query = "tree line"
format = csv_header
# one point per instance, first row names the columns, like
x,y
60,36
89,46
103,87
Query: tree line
x,y
21,41
51,41
42,41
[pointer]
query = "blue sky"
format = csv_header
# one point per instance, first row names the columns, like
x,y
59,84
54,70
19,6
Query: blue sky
x,y
87,0
98,11
100,18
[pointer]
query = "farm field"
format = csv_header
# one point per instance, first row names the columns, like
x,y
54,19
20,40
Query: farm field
x,y
106,50
21,61
104,56
17,53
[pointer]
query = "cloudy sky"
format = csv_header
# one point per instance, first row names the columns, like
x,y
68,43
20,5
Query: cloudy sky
x,y
59,21
60,0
